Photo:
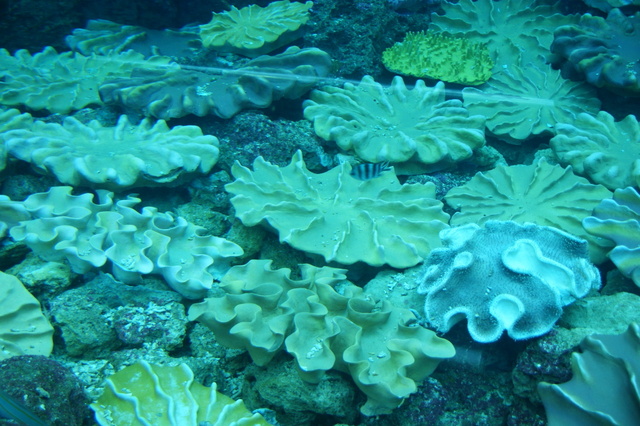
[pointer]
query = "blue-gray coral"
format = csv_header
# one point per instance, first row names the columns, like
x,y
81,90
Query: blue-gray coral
x,y
505,276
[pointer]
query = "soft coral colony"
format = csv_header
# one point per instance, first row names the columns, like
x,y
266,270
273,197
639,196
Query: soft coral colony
x,y
507,252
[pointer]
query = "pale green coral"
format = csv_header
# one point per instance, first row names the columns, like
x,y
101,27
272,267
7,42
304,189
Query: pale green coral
x,y
123,156
254,30
543,194
88,234
440,56
9,120
145,394
523,101
24,330
603,150
378,221
63,82
415,129
266,311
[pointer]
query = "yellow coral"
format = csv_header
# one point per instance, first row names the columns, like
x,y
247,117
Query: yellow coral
x,y
254,30
440,56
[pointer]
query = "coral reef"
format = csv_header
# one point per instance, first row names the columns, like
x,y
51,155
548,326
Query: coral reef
x,y
343,219
88,234
618,219
506,26
415,129
603,150
115,158
523,101
543,194
167,395
63,82
172,92
24,330
605,359
505,276
603,51
9,120
254,30
265,311
439,56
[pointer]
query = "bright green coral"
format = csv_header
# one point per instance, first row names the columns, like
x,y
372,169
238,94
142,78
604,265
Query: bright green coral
x,y
523,101
266,311
63,82
119,157
24,330
603,150
440,56
254,30
415,129
542,194
145,394
378,221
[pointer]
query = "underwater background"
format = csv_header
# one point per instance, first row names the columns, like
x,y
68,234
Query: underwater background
x,y
335,212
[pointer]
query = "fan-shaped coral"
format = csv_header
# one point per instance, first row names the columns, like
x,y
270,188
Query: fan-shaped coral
x,y
264,311
607,362
604,51
104,37
416,129
63,82
618,219
254,30
117,157
24,330
9,120
505,276
174,92
343,219
503,25
167,395
440,56
601,149
87,234
542,194
521,101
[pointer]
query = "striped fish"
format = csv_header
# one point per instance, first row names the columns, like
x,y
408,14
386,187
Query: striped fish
x,y
366,171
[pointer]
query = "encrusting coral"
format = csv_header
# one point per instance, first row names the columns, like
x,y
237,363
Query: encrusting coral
x,y
604,387
544,194
599,148
343,219
618,219
415,129
24,330
529,100
603,51
255,30
119,157
171,92
325,323
505,277
439,56
163,395
88,234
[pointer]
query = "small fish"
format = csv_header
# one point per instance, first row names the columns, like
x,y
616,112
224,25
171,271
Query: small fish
x,y
366,171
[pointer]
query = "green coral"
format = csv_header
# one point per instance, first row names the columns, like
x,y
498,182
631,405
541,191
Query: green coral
x,y
266,311
618,219
440,56
343,219
603,150
63,82
254,30
415,129
523,101
119,157
145,394
9,120
543,194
